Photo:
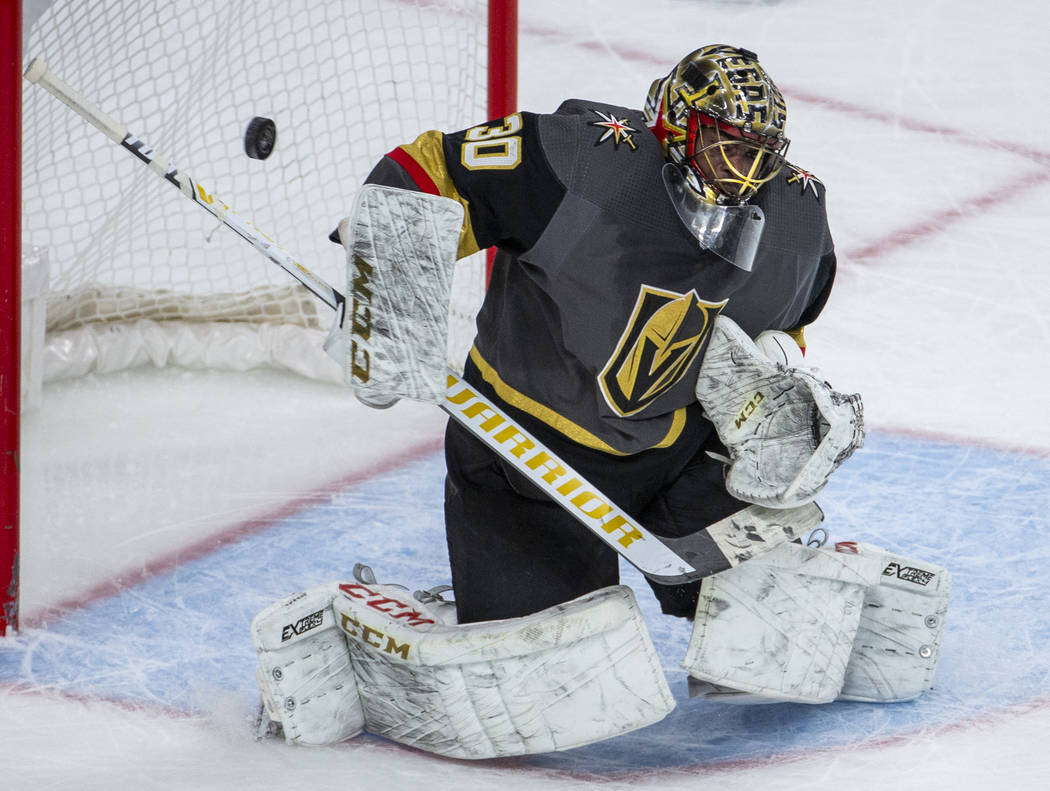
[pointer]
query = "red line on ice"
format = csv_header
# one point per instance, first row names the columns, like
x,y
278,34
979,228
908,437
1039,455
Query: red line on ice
x,y
233,533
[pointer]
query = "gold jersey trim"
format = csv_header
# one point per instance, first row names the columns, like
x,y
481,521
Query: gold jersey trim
x,y
560,423
428,152
799,336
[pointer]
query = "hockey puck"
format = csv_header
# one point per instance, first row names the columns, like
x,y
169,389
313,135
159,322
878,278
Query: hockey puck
x,y
260,137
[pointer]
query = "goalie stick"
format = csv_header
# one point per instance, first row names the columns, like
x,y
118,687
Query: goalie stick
x,y
665,560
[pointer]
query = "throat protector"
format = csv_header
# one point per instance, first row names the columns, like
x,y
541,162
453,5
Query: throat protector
x,y
730,232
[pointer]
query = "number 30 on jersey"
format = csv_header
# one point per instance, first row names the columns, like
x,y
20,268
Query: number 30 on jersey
x,y
493,146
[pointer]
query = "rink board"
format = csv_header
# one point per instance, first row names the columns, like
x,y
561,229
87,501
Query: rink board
x,y
180,641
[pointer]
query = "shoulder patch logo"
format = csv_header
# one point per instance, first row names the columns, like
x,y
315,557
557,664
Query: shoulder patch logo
x,y
662,340
803,177
615,129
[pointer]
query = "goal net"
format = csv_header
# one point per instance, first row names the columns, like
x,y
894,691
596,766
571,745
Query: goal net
x,y
123,251
119,270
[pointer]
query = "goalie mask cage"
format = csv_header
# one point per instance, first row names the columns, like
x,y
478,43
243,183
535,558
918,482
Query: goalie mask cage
x,y
109,253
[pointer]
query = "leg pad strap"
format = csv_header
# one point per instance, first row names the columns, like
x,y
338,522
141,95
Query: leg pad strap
x,y
898,641
307,682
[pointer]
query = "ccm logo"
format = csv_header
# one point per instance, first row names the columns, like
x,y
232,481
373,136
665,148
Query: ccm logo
x,y
749,408
389,606
384,604
373,637
361,319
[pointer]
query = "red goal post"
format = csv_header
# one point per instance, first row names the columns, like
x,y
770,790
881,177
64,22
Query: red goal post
x,y
343,83
10,313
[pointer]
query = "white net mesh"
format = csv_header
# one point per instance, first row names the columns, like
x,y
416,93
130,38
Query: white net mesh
x,y
344,83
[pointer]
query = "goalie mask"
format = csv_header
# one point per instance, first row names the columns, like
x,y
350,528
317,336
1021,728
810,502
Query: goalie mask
x,y
721,119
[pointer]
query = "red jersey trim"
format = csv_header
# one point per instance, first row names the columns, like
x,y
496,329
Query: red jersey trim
x,y
416,171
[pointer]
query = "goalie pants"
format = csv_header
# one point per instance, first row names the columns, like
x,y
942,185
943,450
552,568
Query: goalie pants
x,y
513,551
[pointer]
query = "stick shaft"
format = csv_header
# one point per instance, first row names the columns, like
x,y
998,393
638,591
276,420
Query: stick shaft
x,y
39,74
559,481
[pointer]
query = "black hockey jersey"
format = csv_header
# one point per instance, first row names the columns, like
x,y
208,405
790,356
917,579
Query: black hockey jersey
x,y
601,301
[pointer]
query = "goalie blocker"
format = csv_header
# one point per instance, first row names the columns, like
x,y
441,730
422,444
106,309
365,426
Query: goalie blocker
x,y
392,338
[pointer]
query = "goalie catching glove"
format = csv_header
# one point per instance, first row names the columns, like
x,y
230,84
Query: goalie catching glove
x,y
786,430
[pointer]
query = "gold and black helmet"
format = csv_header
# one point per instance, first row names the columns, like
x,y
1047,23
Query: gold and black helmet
x,y
720,116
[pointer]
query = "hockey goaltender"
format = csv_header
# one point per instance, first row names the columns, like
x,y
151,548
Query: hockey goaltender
x,y
644,324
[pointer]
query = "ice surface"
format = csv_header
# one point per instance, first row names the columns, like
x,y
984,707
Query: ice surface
x,y
146,551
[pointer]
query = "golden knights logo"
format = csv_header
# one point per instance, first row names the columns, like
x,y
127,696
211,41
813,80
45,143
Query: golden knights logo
x,y
803,177
663,337
615,129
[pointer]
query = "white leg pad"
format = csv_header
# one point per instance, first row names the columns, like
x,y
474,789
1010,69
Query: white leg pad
x,y
898,642
305,674
780,626
567,676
